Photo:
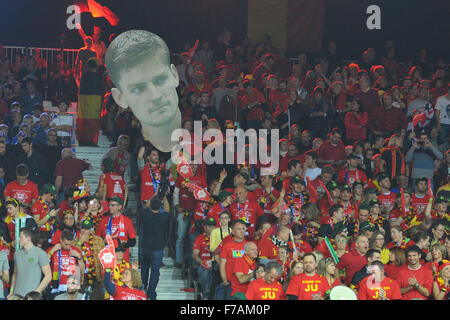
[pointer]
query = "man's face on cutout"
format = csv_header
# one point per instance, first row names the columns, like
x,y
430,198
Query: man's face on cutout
x,y
149,89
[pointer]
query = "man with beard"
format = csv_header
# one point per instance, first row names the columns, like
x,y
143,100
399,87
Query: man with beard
x,y
138,63
72,293
308,285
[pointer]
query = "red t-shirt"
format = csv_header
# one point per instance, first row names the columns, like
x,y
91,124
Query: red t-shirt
x,y
231,251
71,170
371,292
115,184
216,210
38,209
267,249
392,271
388,199
246,266
256,113
329,152
125,293
350,176
424,277
302,247
147,190
352,262
262,197
420,204
187,200
120,227
304,286
202,243
261,290
249,211
22,193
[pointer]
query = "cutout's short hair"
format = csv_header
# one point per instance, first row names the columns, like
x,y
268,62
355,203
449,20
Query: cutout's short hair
x,y
129,50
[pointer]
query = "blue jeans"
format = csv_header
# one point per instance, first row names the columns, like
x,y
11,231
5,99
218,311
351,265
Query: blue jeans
x,y
153,260
181,236
223,292
445,130
206,278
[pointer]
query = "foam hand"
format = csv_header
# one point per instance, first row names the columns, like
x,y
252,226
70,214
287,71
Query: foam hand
x,y
107,255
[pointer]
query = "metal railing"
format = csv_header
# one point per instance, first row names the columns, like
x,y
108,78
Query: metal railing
x,y
48,54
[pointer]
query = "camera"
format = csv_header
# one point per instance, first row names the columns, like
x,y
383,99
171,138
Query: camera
x,y
420,142
164,184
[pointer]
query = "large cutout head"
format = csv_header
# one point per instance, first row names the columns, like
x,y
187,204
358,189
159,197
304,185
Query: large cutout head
x,y
138,63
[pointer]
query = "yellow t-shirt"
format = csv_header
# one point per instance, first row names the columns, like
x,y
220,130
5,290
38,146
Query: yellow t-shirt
x,y
216,239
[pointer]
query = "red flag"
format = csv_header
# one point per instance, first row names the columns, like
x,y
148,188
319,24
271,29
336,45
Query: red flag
x,y
198,192
403,200
286,184
430,191
313,195
184,169
328,192
97,10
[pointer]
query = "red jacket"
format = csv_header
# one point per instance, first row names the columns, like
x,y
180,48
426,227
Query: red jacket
x,y
387,120
356,125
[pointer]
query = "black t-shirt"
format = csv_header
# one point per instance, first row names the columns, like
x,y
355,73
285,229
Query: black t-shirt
x,y
154,229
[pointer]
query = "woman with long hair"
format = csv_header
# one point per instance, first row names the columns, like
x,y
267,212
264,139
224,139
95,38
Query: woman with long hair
x,y
378,241
397,259
130,290
327,268
441,284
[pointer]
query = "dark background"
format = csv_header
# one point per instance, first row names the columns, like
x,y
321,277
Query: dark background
x,y
411,24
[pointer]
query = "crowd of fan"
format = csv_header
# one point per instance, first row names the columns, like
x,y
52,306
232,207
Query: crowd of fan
x,y
362,180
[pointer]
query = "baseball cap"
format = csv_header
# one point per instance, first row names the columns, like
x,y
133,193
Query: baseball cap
x,y
332,185
244,175
346,187
87,224
297,179
366,226
352,156
365,206
224,194
239,221
440,199
210,222
116,199
373,202
371,191
48,188
358,182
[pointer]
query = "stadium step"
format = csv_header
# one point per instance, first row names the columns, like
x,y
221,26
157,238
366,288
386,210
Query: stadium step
x,y
171,282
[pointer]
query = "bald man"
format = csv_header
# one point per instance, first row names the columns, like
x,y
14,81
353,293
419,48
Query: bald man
x,y
69,170
268,245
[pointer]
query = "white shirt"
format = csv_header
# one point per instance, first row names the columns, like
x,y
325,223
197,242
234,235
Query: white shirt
x,y
443,105
66,120
312,173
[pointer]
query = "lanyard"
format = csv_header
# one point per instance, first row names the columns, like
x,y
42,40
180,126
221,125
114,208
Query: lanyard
x,y
221,234
154,181
245,210
17,225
